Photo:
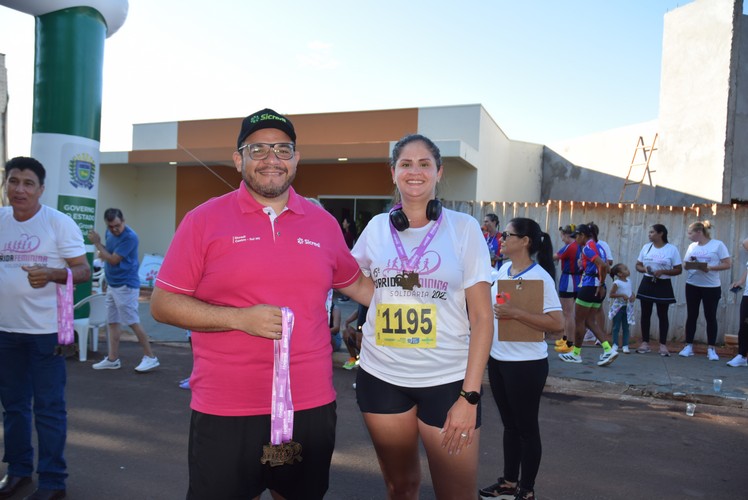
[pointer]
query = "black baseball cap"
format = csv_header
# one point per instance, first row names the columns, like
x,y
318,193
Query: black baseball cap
x,y
583,229
265,118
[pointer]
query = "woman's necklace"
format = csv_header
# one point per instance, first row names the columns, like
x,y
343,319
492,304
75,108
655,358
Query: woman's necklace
x,y
518,274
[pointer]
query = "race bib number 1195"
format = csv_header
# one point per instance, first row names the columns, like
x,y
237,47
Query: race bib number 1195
x,y
406,325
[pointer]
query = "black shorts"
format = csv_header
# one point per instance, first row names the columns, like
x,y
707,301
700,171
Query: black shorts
x,y
567,295
224,456
587,297
433,403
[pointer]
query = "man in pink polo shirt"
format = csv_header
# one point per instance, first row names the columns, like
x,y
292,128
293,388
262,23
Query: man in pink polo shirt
x,y
234,263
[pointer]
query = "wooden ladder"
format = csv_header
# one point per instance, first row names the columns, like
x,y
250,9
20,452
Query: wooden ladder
x,y
646,152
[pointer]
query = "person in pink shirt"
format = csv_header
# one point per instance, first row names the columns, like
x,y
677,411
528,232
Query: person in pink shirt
x,y
231,276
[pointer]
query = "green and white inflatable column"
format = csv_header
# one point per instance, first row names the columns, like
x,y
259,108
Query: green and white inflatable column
x,y
68,74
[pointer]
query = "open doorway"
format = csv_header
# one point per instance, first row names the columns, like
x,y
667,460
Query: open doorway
x,y
357,209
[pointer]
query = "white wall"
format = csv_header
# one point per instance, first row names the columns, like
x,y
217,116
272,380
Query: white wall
x,y
154,136
498,177
610,151
445,123
490,161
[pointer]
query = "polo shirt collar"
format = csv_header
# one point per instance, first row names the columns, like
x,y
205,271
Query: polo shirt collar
x,y
247,202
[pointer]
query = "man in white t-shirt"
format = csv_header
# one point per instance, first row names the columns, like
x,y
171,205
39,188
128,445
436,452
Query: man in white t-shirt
x,y
38,245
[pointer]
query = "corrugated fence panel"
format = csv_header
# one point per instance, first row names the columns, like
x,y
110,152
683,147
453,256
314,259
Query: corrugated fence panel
x,y
625,227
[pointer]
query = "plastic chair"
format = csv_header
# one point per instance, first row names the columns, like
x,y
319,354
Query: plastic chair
x,y
98,279
96,319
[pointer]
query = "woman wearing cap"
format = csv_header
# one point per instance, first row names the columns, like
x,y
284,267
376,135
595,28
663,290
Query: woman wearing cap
x,y
517,371
703,258
568,285
428,331
659,261
589,297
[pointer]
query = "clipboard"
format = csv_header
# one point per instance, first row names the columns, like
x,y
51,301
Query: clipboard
x,y
526,295
694,264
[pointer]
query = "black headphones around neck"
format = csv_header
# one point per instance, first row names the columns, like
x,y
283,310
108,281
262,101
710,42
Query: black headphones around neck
x,y
399,220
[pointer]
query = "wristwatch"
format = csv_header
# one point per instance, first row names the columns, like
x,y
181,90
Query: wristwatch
x,y
472,397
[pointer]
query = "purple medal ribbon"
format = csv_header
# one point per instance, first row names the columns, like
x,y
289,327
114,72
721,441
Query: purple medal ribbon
x,y
65,334
410,264
281,413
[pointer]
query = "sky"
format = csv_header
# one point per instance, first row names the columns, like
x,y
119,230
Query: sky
x,y
545,70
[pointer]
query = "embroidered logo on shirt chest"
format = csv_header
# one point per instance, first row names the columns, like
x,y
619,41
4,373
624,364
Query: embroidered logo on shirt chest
x,y
243,238
304,241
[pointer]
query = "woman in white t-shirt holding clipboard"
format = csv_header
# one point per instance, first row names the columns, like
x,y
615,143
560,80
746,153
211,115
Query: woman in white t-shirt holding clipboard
x,y
703,259
517,370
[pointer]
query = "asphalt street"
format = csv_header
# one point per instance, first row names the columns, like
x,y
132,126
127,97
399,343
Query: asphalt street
x,y
608,433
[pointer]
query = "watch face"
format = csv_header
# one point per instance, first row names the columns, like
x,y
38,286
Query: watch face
x,y
472,397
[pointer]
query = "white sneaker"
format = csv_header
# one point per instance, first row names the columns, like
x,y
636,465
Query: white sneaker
x,y
626,349
687,351
105,364
607,358
570,357
712,354
589,336
738,361
147,364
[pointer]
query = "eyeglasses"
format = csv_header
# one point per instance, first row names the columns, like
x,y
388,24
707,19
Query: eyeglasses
x,y
506,234
261,150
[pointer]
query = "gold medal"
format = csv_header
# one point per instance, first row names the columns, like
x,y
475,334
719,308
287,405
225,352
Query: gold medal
x,y
286,453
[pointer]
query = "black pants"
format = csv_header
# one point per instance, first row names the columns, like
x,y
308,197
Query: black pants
x,y
710,296
517,387
662,309
743,332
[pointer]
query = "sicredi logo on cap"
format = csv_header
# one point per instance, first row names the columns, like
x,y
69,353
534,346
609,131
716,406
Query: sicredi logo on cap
x,y
267,116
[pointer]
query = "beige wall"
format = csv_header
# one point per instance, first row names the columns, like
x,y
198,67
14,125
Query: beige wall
x,y
147,198
739,160
694,96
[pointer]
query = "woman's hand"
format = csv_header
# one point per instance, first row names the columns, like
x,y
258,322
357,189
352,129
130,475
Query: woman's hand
x,y
459,427
505,310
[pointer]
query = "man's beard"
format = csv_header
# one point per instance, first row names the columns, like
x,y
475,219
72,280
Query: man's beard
x,y
267,190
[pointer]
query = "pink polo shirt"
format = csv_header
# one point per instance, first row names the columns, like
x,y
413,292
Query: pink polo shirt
x,y
227,252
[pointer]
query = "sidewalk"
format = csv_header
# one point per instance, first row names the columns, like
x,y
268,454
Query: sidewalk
x,y
648,375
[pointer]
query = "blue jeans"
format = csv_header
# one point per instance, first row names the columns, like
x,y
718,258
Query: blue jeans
x,y
29,370
620,322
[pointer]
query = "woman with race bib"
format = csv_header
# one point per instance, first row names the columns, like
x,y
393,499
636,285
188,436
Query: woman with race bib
x,y
428,331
